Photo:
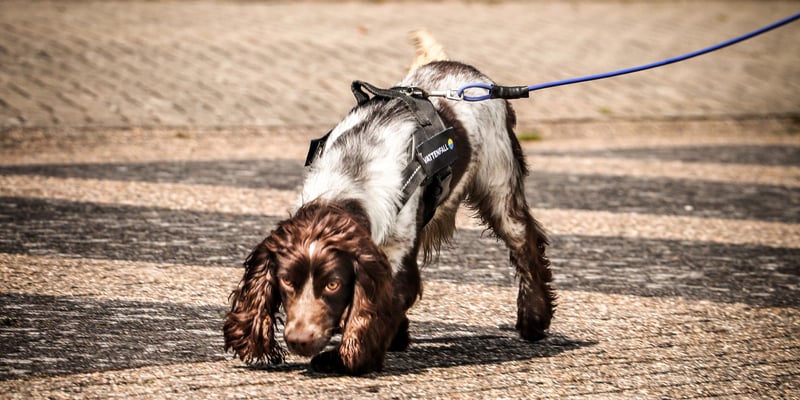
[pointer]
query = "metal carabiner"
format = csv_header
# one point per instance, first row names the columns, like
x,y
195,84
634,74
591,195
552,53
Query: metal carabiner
x,y
449,94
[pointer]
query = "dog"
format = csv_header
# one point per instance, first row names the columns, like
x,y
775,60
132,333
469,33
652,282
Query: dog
x,y
347,258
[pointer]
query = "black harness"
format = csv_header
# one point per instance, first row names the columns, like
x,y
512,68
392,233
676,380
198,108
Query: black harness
x,y
430,164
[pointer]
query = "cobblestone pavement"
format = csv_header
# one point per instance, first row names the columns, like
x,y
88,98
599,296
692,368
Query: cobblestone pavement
x,y
147,146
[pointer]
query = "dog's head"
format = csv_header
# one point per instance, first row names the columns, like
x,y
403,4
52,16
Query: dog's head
x,y
323,267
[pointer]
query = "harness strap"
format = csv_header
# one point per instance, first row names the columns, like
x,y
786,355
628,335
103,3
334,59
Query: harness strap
x,y
426,140
432,146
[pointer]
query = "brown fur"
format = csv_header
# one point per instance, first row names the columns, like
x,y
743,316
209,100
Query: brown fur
x,y
369,324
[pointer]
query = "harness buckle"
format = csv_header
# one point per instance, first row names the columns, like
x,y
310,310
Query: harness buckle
x,y
412,91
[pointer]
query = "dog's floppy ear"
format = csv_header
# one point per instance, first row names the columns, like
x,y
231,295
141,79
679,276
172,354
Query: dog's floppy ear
x,y
368,329
250,324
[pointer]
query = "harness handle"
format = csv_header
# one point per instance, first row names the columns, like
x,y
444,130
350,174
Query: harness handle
x,y
409,95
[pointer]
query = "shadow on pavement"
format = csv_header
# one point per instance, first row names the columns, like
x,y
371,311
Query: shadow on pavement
x,y
595,192
765,276
48,335
471,345
446,345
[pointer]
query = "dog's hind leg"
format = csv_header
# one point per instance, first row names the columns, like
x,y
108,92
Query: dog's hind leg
x,y
527,245
499,197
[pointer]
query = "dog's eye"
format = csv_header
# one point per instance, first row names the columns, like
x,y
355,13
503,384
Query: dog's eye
x,y
333,286
286,282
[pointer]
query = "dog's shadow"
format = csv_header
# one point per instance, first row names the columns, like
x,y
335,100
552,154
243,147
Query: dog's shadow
x,y
462,345
445,345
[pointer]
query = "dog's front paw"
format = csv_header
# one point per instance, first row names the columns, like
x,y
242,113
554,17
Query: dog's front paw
x,y
328,362
401,338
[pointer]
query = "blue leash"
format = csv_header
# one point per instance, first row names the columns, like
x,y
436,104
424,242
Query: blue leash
x,y
516,92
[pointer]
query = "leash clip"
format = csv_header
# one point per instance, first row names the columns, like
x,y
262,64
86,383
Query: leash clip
x,y
450,94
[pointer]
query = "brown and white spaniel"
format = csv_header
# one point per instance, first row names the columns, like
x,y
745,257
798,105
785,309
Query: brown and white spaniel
x,y
347,259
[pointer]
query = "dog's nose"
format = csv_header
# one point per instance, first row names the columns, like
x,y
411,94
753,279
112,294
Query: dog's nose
x,y
300,341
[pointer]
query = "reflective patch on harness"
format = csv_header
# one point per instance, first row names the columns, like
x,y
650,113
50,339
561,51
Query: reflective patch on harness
x,y
438,152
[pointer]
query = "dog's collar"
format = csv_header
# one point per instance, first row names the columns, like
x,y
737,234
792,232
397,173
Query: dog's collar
x,y
434,146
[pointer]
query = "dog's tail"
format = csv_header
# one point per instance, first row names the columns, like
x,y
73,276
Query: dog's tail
x,y
428,49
